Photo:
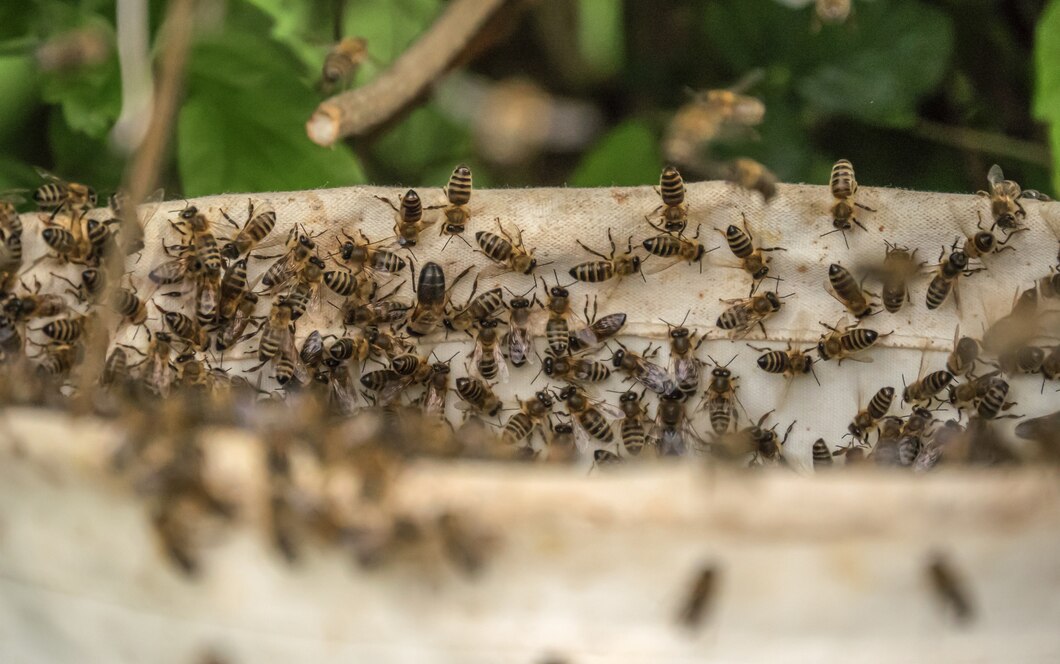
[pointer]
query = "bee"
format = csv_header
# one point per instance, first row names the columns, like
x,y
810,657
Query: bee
x,y
561,444
945,280
602,457
386,343
59,358
752,258
346,349
34,305
156,369
609,267
596,332
633,425
379,312
506,251
342,62
557,327
1022,359
478,396
517,342
410,218
185,328
588,419
306,288
676,248
312,352
57,195
672,432
674,215
847,291
790,362
361,255
1004,198
971,391
115,368
753,176
639,367
764,442
431,298
822,458
720,399
487,359
458,195
843,341
349,284
744,314
64,244
207,299
1051,366
233,288
684,365
231,331
204,244
876,410
844,187
433,400
899,266
129,305
101,241
277,333
985,242
925,389
565,368
254,230
68,330
300,248
949,588
993,401
389,384
476,309
532,415
697,604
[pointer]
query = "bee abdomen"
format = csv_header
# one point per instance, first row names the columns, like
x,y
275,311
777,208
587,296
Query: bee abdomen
x,y
775,361
633,435
378,379
341,282
50,196
842,183
994,400
821,456
663,246
494,246
517,429
459,190
596,425
858,339
671,187
557,334
593,271
938,291
881,403
739,242
411,207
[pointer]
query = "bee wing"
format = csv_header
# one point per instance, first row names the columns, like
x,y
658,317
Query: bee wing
x,y
684,369
653,377
502,364
281,272
393,389
520,346
150,206
48,175
995,176
342,393
582,440
434,401
288,348
652,264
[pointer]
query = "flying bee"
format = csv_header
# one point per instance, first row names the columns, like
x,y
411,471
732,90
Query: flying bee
x,y
431,299
409,218
255,229
847,291
674,216
791,362
672,433
517,342
867,418
924,390
945,280
633,425
129,305
361,255
609,267
684,365
487,361
596,332
476,309
574,370
744,314
588,418
720,398
640,368
478,395
820,455
532,415
985,242
752,258
458,195
1004,198
506,251
752,176
676,248
844,187
299,249
899,266
843,341
342,62
57,195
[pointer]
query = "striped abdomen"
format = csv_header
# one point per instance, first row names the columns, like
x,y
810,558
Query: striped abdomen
x,y
858,339
596,425
663,245
671,187
633,435
494,246
938,291
880,403
59,239
821,456
411,207
253,232
459,190
593,271
994,399
739,242
207,251
842,183
517,429
557,334
381,260
65,329
51,195
342,282
126,303
774,361
591,372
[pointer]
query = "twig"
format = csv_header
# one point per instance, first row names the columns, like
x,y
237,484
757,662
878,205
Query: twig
x,y
356,111
984,141
134,56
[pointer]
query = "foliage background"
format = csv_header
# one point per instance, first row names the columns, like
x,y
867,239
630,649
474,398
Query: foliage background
x,y
860,90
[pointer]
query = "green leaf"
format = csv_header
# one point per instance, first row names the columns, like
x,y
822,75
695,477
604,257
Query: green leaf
x,y
82,158
242,125
17,93
600,34
628,155
1047,86
424,141
389,27
90,98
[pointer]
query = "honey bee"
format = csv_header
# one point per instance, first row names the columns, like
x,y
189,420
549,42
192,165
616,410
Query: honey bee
x,y
116,368
277,335
843,341
588,419
506,251
386,342
745,313
67,248
1021,359
203,243
765,443
156,369
235,323
532,415
409,218
899,266
342,62
575,370
596,332
57,195
791,362
34,305
844,187
753,176
847,291
676,248
379,312
684,365
434,397
674,215
609,267
476,309
389,384
945,280
306,288
820,455
639,367
752,258
479,396
68,330
299,249
633,425
344,350
431,298
129,305
672,433
720,398
361,255
993,400
561,444
517,341
949,588
355,285
697,604
985,242
923,391
458,195
1004,196
254,230
487,360
558,327
876,410
312,352
185,328
57,359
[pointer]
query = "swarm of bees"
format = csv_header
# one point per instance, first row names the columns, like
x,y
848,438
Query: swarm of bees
x,y
237,317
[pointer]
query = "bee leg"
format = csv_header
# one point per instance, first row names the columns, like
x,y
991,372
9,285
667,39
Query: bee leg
x,y
863,207
389,202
